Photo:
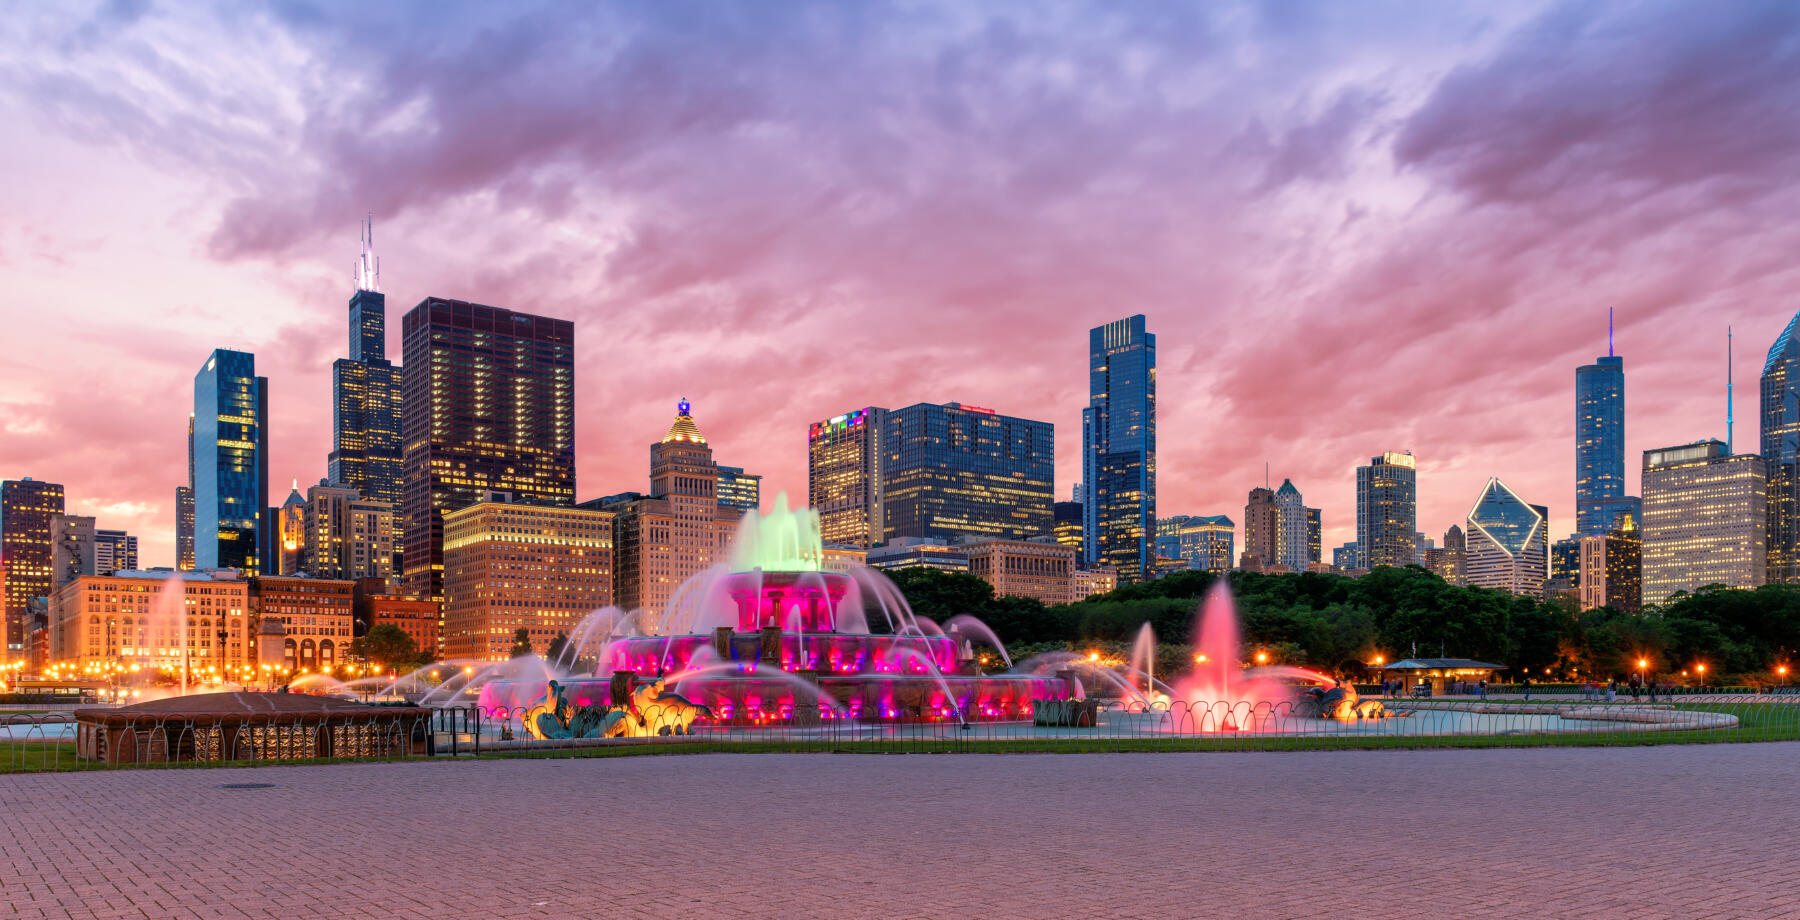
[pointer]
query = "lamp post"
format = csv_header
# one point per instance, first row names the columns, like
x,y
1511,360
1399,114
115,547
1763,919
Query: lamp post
x,y
1642,679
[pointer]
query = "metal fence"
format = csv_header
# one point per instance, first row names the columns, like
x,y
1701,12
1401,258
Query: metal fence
x,y
55,741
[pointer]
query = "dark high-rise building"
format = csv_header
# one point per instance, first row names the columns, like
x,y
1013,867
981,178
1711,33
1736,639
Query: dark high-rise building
x,y
1387,511
955,470
365,390
231,462
738,489
184,528
488,399
1118,459
184,510
1315,536
114,551
26,549
1781,457
843,476
1065,524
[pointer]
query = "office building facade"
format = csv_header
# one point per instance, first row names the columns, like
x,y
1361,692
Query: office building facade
x,y
231,462
1387,510
952,470
72,549
509,567
488,404
1065,525
1203,542
1780,448
1297,529
1118,458
843,476
137,618
114,551
346,536
1262,524
315,614
1039,569
28,508
1508,542
1612,569
1705,512
739,490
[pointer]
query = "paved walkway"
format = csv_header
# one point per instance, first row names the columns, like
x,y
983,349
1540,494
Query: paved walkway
x,y
1673,831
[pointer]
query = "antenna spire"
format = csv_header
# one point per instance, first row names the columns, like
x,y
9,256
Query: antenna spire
x,y
1728,387
368,265
1609,332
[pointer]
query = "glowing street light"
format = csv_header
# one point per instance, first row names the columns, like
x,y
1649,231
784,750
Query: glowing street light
x,y
1262,657
1380,660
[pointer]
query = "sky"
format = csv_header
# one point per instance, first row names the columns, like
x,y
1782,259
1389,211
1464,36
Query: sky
x,y
1354,227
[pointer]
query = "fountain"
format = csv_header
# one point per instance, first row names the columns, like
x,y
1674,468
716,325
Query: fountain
x,y
771,638
1220,685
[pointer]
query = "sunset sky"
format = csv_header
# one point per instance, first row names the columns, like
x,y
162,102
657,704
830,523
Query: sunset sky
x,y
1354,227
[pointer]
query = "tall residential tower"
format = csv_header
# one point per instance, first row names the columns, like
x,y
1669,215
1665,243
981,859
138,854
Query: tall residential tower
x,y
1118,460
1387,511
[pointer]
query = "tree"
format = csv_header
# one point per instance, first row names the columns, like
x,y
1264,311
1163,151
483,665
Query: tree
x,y
521,643
387,645
559,646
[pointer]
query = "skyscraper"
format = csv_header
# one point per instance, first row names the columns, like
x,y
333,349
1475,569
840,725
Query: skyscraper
x,y
1261,523
72,549
1704,515
346,536
1781,459
677,531
1600,443
953,470
231,462
365,390
843,476
1387,510
1118,459
1508,542
184,509
489,405
26,509
1296,529
114,551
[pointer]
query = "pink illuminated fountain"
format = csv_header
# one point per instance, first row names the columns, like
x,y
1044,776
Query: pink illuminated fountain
x,y
774,639
1223,695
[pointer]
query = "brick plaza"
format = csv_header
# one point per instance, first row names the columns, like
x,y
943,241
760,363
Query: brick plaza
x,y
1687,831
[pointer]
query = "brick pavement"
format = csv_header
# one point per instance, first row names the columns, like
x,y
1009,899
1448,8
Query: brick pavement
x,y
1674,831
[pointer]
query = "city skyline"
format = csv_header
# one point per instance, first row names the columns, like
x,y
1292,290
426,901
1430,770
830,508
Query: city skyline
x,y
1471,373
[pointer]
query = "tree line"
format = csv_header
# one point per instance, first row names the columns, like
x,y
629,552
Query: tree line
x,y
1340,624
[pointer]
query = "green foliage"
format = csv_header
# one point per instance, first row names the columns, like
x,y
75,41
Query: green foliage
x,y
1335,623
388,646
521,643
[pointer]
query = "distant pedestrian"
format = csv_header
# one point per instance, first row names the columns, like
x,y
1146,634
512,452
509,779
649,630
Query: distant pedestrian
x,y
1612,690
1484,689
1527,683
1651,686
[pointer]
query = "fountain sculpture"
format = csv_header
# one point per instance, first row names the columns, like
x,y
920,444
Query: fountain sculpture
x,y
774,638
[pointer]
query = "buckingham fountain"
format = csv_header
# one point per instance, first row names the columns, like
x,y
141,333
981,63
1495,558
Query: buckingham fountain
x,y
773,638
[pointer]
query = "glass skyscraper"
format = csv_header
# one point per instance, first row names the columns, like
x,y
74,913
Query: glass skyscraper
x,y
956,470
843,476
231,461
1780,447
1600,446
1387,511
1508,542
1118,460
365,390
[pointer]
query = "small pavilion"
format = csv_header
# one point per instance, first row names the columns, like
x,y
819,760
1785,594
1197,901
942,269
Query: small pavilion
x,y
1437,674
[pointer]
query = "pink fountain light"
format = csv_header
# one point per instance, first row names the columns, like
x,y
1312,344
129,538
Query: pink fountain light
x,y
1219,684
